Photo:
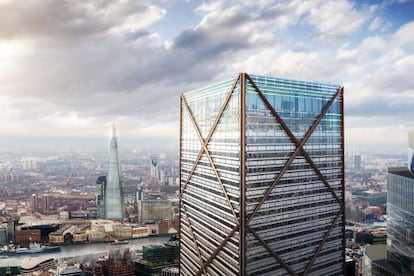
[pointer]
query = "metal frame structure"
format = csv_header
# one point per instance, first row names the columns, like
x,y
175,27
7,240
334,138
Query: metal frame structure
x,y
243,220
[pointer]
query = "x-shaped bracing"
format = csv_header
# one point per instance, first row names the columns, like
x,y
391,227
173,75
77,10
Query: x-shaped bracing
x,y
298,150
204,149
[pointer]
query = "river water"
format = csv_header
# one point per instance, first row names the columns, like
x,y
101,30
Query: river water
x,y
80,251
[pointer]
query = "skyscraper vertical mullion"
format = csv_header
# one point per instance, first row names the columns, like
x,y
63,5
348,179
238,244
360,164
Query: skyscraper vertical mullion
x,y
342,156
242,185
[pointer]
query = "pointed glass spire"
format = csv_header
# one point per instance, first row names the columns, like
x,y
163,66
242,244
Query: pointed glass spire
x,y
113,189
113,130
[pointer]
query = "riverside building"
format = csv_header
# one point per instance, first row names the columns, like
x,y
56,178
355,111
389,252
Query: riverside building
x,y
262,178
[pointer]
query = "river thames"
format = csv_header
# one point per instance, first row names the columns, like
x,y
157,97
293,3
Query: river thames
x,y
80,251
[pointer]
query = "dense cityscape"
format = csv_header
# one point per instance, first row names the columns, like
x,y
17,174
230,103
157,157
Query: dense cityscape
x,y
58,204
74,213
56,192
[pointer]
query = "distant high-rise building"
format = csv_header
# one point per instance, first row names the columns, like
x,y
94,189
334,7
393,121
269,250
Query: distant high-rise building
x,y
151,210
262,178
40,203
34,203
154,167
29,164
411,152
400,220
120,263
45,203
113,190
139,198
100,199
357,162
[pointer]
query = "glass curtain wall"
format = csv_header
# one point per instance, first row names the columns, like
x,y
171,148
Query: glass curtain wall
x,y
299,209
239,213
210,180
400,220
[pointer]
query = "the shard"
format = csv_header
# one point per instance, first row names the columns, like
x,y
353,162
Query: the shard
x,y
113,189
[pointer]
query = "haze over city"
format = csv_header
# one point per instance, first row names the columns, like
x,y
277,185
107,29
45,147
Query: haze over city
x,y
68,69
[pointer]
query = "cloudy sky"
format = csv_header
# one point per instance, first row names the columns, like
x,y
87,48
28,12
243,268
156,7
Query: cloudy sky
x,y
70,68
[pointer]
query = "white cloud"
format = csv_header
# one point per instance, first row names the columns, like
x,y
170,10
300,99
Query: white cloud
x,y
210,6
378,138
70,68
400,1
71,21
379,24
296,63
337,19
404,35
374,44
141,20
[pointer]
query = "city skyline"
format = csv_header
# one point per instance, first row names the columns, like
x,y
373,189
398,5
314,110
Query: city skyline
x,y
67,70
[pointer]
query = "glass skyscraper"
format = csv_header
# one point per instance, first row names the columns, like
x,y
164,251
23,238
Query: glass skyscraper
x,y
113,189
411,152
400,220
262,178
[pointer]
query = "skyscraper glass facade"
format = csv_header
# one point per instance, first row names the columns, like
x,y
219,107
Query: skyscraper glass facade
x,y
113,190
100,200
262,178
411,152
400,220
